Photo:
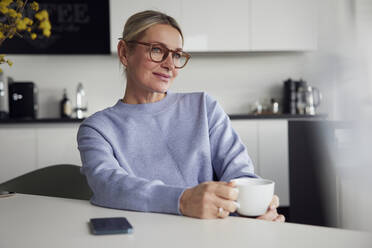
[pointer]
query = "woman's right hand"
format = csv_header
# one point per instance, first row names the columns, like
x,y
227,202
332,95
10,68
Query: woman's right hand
x,y
204,200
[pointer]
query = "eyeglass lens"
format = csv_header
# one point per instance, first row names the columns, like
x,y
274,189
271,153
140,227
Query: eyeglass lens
x,y
159,53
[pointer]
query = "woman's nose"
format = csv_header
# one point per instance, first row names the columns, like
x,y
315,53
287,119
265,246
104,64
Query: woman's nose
x,y
168,62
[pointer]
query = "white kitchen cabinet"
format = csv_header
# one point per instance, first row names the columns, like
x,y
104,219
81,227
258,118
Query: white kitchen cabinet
x,y
213,25
32,146
121,10
267,145
17,151
228,26
248,133
57,145
284,25
273,155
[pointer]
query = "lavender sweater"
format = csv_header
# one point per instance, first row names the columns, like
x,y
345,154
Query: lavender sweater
x,y
143,156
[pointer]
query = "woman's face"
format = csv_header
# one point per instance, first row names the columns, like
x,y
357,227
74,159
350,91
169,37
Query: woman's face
x,y
146,76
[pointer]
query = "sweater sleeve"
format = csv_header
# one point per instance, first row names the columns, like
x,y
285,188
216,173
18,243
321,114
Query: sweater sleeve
x,y
230,158
115,187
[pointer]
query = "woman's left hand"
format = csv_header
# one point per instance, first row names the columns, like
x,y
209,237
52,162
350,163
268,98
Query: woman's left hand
x,y
271,213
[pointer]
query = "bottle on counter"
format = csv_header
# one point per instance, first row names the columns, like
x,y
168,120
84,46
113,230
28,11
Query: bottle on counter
x,y
81,102
65,106
256,107
274,106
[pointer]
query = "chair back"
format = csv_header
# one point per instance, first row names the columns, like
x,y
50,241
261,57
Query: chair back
x,y
63,180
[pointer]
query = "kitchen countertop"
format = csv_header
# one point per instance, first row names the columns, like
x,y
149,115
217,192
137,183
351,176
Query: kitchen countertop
x,y
232,117
276,116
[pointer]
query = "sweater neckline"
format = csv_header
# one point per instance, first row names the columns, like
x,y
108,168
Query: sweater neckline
x,y
147,108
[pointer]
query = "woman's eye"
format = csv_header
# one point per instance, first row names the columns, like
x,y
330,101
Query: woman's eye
x,y
177,55
157,50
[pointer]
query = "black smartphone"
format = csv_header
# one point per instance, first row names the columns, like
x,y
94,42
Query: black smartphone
x,y
100,226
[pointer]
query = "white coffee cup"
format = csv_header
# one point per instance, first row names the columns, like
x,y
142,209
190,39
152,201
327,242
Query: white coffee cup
x,y
255,195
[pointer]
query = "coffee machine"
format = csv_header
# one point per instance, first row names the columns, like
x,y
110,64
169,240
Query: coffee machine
x,y
300,98
22,100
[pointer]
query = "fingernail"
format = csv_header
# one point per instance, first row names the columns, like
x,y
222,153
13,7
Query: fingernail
x,y
237,204
236,190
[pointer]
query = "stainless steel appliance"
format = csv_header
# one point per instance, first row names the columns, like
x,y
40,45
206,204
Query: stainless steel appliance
x,y
300,98
22,100
308,99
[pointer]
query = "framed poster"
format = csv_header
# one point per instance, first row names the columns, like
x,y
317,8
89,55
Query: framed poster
x,y
78,27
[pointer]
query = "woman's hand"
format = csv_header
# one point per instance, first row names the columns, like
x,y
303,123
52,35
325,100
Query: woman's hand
x,y
209,200
271,213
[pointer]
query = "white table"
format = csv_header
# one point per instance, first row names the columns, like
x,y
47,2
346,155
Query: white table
x,y
38,221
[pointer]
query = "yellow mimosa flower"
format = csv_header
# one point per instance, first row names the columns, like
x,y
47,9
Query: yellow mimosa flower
x,y
6,2
28,21
42,15
4,10
45,25
21,25
46,32
12,13
20,3
35,6
14,22
10,63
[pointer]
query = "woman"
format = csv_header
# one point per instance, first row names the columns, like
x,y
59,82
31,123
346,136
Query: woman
x,y
159,151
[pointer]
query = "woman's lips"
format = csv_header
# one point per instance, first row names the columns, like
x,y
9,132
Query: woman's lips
x,y
163,77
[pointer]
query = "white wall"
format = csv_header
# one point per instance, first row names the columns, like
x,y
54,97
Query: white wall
x,y
335,67
235,80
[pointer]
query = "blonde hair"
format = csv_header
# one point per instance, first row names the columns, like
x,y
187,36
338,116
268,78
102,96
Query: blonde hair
x,y
138,23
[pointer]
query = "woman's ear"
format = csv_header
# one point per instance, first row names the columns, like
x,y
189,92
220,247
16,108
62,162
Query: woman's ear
x,y
123,52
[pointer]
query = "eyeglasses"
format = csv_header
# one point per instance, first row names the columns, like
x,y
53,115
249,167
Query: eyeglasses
x,y
159,52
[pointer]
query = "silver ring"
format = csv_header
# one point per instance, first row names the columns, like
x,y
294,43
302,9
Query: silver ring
x,y
220,211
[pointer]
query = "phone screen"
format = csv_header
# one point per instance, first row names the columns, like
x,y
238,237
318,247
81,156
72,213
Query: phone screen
x,y
100,226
